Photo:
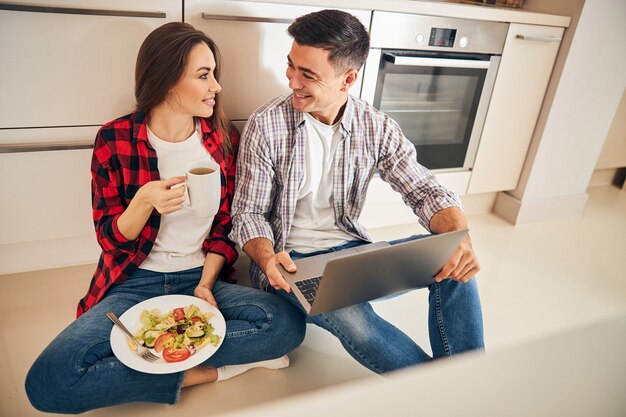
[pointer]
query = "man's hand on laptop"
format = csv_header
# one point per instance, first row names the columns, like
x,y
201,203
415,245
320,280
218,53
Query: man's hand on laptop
x,y
462,265
273,274
261,251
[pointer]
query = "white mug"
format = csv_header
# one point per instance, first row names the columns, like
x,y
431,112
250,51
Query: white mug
x,y
204,186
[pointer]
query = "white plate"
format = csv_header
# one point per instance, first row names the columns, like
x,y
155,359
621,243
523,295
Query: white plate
x,y
130,318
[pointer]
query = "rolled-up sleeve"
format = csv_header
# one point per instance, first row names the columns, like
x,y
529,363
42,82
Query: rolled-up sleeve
x,y
107,205
418,186
218,241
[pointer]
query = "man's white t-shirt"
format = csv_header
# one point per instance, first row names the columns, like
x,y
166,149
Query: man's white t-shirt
x,y
178,245
314,227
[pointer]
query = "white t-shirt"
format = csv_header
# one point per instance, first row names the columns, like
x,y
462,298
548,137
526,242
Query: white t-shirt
x,y
314,227
178,245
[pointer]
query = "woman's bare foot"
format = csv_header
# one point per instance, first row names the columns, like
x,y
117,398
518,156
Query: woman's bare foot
x,y
199,375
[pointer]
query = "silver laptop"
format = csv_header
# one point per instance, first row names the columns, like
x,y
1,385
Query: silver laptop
x,y
334,280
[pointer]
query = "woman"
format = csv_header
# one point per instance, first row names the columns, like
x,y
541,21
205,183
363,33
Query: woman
x,y
153,243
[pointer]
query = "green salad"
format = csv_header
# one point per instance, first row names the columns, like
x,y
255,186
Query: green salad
x,y
178,334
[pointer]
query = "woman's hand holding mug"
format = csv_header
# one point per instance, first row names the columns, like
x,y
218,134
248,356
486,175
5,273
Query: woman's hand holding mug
x,y
163,195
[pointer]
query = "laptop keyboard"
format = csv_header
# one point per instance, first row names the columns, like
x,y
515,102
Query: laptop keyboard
x,y
308,288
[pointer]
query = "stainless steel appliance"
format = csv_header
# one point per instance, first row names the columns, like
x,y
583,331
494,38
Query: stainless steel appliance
x,y
434,76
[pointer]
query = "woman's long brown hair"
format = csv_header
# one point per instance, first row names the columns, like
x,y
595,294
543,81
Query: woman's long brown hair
x,y
160,64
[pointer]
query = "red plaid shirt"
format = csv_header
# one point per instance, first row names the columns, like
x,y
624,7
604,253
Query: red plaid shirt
x,y
122,162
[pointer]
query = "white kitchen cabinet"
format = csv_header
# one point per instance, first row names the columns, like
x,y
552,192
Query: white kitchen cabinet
x,y
45,217
73,64
67,67
49,194
525,69
253,40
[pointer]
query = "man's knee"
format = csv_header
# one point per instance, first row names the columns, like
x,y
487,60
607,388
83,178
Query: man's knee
x,y
291,323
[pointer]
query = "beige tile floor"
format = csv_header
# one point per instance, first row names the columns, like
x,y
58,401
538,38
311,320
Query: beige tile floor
x,y
536,280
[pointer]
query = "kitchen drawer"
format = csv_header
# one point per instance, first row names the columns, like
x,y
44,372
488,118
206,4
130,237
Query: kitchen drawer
x,y
46,217
46,196
253,40
72,63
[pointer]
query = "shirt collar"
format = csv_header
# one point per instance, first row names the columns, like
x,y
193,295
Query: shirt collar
x,y
348,113
299,119
346,119
205,126
140,126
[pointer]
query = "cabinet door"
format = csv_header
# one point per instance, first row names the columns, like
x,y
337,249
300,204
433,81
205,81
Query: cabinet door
x,y
253,40
45,217
50,196
73,64
525,69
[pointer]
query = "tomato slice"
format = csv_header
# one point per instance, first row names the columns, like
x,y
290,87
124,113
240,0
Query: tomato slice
x,y
195,319
175,355
179,314
162,340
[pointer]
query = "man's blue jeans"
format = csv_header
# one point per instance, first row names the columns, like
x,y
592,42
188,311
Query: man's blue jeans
x,y
454,322
78,371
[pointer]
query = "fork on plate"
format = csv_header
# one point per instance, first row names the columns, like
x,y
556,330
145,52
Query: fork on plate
x,y
142,351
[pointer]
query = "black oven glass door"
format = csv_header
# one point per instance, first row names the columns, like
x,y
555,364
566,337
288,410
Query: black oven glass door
x,y
434,98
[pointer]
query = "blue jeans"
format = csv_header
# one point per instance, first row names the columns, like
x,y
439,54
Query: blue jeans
x,y
454,322
78,371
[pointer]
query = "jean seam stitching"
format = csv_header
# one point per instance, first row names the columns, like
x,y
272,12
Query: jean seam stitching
x,y
266,323
80,359
376,368
440,325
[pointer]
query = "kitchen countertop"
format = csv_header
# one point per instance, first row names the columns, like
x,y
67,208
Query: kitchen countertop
x,y
439,8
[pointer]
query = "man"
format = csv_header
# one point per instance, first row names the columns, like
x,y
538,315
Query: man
x,y
304,165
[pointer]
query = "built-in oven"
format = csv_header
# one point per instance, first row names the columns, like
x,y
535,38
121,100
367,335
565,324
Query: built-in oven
x,y
434,76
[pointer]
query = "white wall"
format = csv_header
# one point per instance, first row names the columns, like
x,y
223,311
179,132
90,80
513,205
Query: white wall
x,y
613,153
564,153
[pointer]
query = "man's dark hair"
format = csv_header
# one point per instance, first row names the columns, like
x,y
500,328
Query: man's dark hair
x,y
340,33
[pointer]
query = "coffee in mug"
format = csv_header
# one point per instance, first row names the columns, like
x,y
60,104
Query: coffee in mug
x,y
204,186
201,171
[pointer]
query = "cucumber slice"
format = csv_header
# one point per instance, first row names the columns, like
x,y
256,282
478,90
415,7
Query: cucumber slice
x,y
194,332
149,336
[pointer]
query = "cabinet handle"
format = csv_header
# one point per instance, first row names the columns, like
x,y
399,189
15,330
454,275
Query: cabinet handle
x,y
89,12
43,147
538,38
232,18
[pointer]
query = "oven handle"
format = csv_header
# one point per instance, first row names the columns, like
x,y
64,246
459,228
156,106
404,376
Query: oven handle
x,y
434,62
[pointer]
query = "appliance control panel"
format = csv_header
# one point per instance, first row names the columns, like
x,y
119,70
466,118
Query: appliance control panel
x,y
433,33
442,38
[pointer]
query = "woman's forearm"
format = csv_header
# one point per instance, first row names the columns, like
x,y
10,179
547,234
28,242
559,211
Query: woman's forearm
x,y
213,264
134,218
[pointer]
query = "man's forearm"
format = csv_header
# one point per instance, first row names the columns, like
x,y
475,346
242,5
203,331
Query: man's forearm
x,y
260,250
448,220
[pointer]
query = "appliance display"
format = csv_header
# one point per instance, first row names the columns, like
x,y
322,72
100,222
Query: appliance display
x,y
442,37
